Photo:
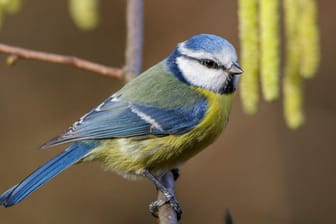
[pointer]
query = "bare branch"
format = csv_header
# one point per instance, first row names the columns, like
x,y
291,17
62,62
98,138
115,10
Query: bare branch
x,y
61,59
134,38
166,214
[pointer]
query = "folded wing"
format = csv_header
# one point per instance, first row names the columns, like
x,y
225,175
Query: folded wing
x,y
116,117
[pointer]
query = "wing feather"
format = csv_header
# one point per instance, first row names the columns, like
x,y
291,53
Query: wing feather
x,y
120,118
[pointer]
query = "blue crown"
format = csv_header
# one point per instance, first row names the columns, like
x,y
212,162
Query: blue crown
x,y
206,42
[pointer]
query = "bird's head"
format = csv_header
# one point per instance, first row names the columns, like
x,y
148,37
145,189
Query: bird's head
x,y
207,61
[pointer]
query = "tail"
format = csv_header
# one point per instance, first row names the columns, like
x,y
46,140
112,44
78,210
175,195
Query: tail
x,y
34,181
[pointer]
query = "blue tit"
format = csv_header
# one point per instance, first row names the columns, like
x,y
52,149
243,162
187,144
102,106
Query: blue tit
x,y
155,122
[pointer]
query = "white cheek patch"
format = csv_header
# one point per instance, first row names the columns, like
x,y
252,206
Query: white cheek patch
x,y
201,76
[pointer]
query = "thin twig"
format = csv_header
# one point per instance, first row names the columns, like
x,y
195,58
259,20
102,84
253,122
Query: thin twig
x,y
166,214
62,59
134,38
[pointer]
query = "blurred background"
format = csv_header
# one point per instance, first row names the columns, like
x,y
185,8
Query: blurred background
x,y
260,170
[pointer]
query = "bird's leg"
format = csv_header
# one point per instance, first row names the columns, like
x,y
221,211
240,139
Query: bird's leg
x,y
154,206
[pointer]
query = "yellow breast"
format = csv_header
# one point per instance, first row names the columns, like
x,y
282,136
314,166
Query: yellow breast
x,y
187,145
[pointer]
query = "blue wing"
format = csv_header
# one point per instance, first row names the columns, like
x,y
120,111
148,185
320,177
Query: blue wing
x,y
116,117
34,181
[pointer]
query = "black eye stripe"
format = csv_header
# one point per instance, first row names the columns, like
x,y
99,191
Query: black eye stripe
x,y
209,63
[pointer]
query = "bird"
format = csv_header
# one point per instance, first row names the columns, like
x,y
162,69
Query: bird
x,y
154,123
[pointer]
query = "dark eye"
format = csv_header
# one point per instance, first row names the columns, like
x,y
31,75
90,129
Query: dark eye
x,y
209,63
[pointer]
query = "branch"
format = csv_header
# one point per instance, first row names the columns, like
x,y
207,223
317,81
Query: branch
x,y
134,38
166,214
133,49
61,59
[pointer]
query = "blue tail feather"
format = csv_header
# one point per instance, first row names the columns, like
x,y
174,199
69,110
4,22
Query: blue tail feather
x,y
34,181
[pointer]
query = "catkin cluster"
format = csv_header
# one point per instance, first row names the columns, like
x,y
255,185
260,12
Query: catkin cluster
x,y
85,13
259,24
10,7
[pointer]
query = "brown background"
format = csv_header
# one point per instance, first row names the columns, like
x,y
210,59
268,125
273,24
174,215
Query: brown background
x,y
259,169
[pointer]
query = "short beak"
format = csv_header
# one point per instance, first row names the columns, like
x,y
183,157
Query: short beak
x,y
235,69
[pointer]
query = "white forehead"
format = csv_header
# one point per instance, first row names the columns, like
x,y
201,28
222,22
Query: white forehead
x,y
225,54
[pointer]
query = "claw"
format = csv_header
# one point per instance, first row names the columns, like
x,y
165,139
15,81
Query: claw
x,y
155,205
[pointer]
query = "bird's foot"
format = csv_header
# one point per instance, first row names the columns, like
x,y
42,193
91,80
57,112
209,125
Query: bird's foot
x,y
155,205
